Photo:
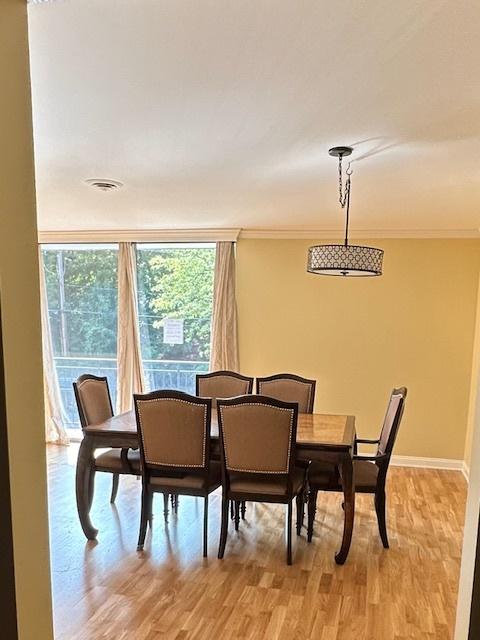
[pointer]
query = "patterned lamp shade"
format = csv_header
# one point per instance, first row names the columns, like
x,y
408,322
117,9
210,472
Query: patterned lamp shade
x,y
345,260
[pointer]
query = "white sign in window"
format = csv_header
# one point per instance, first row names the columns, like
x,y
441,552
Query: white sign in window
x,y
172,331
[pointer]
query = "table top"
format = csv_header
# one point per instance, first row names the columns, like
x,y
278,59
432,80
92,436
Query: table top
x,y
313,429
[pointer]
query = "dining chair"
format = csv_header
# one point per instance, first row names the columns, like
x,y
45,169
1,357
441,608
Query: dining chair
x,y
222,384
174,436
370,471
289,388
292,388
257,448
94,405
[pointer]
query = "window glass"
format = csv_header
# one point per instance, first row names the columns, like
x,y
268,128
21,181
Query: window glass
x,y
175,291
81,284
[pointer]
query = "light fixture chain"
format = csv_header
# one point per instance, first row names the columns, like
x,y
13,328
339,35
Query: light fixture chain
x,y
343,193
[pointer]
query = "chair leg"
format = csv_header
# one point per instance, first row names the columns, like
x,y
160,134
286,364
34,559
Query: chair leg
x,y
300,511
380,509
115,480
224,528
176,505
312,507
205,527
91,487
150,509
143,518
165,505
243,509
237,515
289,532
232,510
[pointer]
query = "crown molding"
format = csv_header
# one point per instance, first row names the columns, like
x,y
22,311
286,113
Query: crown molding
x,y
231,235
138,235
330,234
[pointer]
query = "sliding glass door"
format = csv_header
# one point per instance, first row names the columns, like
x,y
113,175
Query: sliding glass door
x,y
175,292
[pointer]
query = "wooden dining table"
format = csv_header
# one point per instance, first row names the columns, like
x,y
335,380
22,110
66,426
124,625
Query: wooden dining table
x,y
319,437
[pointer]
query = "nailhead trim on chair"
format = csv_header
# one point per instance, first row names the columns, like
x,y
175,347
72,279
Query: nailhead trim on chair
x,y
265,383
221,378
84,382
171,464
90,382
258,404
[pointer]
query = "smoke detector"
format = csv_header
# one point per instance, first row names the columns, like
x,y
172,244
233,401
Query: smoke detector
x,y
104,185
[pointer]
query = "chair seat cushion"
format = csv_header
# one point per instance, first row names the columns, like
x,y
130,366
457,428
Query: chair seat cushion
x,y
271,486
111,460
323,475
366,474
190,481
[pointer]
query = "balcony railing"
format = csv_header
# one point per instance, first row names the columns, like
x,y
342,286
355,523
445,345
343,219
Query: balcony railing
x,y
159,374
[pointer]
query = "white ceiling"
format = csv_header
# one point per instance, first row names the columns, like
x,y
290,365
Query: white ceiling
x,y
220,113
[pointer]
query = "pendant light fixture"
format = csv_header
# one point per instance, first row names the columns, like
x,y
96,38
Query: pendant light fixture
x,y
344,259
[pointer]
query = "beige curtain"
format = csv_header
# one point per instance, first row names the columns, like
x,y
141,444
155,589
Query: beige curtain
x,y
224,343
54,413
130,378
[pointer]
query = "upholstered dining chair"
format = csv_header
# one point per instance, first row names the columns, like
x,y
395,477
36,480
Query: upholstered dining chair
x,y
370,471
222,384
289,388
257,448
174,430
94,405
292,388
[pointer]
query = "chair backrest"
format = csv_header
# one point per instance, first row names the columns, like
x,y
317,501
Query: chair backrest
x,y
222,384
93,399
289,388
174,430
257,435
391,422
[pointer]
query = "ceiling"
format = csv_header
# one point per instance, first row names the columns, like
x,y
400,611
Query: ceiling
x,y
220,113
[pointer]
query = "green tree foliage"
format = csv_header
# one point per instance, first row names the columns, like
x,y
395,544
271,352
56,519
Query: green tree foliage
x,y
172,283
86,323
176,283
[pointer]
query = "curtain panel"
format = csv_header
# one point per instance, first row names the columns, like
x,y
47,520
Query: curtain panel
x,y
224,340
55,431
130,378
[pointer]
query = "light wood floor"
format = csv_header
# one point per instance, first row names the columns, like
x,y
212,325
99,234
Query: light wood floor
x,y
106,590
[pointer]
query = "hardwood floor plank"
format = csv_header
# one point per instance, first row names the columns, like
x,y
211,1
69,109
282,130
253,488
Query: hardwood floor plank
x,y
105,590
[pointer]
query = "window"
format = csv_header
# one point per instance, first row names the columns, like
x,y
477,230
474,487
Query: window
x,y
81,284
175,294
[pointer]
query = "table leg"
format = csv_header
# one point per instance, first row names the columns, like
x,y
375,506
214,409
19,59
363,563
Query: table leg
x,y
348,484
85,477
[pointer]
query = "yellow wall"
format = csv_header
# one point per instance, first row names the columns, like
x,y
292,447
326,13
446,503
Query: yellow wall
x,y
358,338
21,329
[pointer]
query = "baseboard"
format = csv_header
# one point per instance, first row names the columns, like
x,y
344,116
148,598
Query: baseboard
x,y
429,463
466,470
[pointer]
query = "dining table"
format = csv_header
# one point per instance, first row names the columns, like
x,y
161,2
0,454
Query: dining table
x,y
322,437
